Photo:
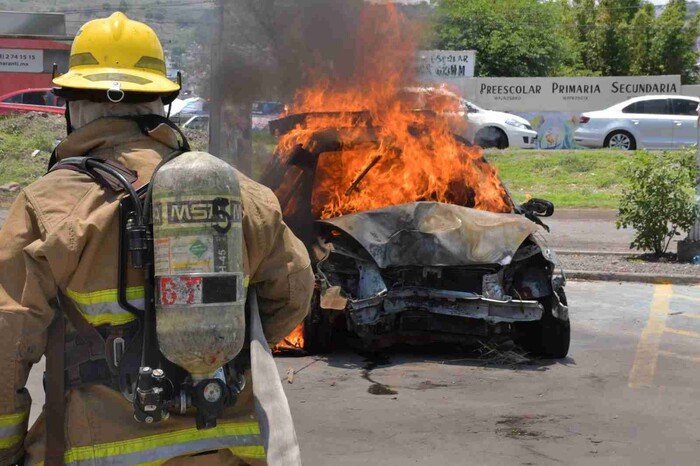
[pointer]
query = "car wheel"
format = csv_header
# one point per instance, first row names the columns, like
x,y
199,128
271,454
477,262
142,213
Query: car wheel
x,y
317,328
549,337
491,137
620,140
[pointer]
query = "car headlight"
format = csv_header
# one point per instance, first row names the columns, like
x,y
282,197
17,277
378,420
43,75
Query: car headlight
x,y
516,123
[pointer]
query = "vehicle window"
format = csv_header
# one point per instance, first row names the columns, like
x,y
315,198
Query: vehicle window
x,y
684,107
15,99
34,98
655,107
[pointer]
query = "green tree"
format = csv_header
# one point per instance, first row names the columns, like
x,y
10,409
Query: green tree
x,y
609,46
621,10
584,23
511,37
673,40
641,37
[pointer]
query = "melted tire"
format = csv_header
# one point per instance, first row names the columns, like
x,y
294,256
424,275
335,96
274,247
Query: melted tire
x,y
555,337
549,338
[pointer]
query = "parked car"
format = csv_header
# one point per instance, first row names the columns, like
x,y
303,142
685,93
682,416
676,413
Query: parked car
x,y
265,111
31,100
416,272
485,128
648,122
183,110
200,122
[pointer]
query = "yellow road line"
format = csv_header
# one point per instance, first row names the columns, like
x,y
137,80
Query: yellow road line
x,y
685,333
644,367
679,356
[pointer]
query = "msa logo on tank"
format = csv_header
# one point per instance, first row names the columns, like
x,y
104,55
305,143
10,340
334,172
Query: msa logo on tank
x,y
195,235
220,212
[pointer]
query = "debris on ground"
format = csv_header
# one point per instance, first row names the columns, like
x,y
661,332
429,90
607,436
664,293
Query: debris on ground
x,y
290,375
502,355
11,187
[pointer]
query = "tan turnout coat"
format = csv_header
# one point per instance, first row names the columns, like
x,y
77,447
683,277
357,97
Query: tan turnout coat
x,y
62,231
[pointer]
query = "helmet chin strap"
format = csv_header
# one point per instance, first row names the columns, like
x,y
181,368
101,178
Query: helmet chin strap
x,y
69,127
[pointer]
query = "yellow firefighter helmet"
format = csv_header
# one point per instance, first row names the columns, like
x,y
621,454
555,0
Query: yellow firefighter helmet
x,y
114,57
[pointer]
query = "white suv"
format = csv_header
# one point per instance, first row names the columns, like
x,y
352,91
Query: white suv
x,y
485,128
648,122
488,128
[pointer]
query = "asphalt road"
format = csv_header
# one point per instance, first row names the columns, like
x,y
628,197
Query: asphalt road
x,y
591,230
626,395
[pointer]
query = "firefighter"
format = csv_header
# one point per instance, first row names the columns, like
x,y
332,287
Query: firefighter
x,y
61,239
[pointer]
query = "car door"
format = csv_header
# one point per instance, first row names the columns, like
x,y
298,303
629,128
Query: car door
x,y
652,122
685,117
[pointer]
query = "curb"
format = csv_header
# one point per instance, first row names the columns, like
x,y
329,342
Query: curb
x,y
632,277
565,252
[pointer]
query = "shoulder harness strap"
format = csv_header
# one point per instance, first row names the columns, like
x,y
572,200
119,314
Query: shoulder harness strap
x,y
101,177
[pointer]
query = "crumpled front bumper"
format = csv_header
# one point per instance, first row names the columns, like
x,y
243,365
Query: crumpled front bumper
x,y
373,310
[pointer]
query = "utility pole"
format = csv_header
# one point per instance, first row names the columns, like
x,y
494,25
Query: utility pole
x,y
230,125
690,247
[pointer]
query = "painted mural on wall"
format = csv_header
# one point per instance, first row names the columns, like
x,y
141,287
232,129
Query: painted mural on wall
x,y
555,130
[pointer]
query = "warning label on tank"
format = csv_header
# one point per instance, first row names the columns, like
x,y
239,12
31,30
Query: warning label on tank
x,y
184,254
180,290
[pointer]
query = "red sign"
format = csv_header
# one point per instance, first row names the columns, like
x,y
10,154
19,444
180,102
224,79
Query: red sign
x,y
180,290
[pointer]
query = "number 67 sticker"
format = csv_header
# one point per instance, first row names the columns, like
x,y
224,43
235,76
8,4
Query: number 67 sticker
x,y
180,290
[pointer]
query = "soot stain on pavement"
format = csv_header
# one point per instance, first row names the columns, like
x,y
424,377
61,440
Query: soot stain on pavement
x,y
517,427
373,361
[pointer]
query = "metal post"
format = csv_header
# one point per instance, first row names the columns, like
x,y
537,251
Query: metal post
x,y
216,87
230,126
694,233
690,247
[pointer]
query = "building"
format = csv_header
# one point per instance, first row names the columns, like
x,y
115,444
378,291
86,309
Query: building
x,y
30,45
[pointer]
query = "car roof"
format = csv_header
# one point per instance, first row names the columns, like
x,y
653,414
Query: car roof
x,y
641,98
22,91
659,96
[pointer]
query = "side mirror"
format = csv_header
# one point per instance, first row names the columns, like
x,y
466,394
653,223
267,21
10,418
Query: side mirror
x,y
538,207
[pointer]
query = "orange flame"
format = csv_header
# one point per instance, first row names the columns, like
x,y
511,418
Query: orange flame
x,y
293,341
412,155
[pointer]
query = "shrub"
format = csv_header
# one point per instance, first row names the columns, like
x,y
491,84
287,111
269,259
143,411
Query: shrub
x,y
658,199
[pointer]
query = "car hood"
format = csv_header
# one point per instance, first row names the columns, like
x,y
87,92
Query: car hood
x,y
502,117
435,234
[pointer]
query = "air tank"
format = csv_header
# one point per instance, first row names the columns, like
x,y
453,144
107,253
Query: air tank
x,y
198,260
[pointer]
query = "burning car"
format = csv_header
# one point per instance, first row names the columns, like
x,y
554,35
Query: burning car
x,y
413,236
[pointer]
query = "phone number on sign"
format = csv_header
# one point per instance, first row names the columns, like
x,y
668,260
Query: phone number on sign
x,y
17,56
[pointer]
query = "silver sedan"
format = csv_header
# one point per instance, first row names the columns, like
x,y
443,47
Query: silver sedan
x,y
648,122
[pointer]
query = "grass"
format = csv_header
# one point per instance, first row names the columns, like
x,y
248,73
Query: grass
x,y
22,135
568,178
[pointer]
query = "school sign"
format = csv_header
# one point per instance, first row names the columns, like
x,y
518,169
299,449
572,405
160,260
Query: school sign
x,y
579,94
